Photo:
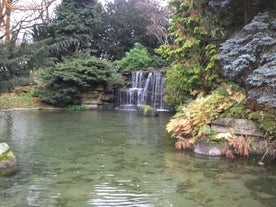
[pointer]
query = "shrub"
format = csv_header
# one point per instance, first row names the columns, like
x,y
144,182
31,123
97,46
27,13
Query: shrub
x,y
63,83
137,58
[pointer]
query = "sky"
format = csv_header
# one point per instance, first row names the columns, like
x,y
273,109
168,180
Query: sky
x,y
162,2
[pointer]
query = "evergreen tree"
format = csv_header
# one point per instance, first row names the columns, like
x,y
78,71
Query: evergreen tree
x,y
76,25
193,56
124,25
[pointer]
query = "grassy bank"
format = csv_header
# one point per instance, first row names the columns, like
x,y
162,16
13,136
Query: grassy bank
x,y
20,98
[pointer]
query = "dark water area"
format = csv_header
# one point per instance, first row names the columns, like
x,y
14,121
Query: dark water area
x,y
116,158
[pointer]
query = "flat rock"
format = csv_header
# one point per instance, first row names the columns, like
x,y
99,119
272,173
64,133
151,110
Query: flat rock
x,y
238,126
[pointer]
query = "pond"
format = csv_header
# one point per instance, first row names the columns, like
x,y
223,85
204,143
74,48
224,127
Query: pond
x,y
116,158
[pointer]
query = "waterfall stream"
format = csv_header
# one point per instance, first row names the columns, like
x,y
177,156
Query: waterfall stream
x,y
147,88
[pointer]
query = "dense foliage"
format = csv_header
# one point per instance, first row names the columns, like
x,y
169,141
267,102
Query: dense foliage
x,y
14,65
193,55
191,121
77,23
63,83
123,25
138,58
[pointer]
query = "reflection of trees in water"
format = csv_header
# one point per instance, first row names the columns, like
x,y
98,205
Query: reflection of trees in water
x,y
6,123
214,181
263,189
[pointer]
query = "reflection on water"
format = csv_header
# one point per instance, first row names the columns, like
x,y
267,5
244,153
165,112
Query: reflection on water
x,y
112,158
105,195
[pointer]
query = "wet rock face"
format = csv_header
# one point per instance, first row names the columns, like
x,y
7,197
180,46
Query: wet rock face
x,y
249,58
100,97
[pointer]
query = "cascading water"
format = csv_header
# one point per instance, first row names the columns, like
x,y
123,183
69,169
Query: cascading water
x,y
147,88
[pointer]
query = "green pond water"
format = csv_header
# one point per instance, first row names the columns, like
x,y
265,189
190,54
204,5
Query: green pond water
x,y
116,158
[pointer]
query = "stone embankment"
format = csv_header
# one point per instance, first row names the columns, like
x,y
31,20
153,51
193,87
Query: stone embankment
x,y
100,97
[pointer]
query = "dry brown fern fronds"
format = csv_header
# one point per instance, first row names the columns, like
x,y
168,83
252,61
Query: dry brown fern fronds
x,y
241,145
200,113
183,144
180,127
203,110
228,152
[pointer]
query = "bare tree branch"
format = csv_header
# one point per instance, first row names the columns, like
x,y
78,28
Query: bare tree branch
x,y
157,16
16,17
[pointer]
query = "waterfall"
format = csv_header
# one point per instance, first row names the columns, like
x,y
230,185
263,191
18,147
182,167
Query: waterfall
x,y
147,88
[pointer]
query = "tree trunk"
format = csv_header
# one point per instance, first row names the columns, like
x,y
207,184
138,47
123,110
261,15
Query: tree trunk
x,y
8,21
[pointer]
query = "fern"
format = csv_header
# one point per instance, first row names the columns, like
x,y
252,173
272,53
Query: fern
x,y
192,120
267,120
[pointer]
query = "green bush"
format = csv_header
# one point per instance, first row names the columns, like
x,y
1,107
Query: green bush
x,y
137,58
62,84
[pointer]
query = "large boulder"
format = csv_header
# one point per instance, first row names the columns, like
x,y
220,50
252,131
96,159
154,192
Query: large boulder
x,y
249,58
7,158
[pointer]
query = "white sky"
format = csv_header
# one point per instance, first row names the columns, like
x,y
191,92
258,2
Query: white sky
x,y
162,2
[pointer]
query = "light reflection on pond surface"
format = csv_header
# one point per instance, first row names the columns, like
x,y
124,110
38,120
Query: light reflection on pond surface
x,y
115,158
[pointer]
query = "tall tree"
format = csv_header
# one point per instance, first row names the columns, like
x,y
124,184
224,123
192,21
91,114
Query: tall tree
x,y
124,25
76,24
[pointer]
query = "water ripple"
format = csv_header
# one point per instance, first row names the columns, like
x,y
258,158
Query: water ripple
x,y
106,195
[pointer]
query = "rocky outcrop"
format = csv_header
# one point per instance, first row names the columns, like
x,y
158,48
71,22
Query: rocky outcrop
x,y
249,58
100,97
7,158
240,127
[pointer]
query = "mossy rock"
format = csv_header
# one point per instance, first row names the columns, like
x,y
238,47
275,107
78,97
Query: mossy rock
x,y
7,158
147,110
